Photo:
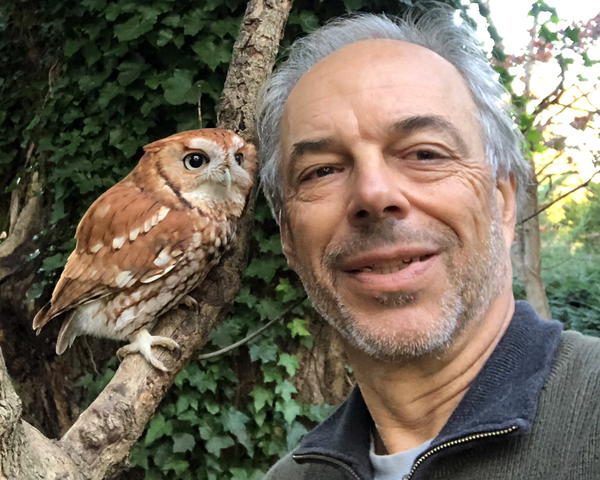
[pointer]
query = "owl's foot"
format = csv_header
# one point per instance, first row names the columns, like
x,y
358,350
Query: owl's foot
x,y
190,302
143,343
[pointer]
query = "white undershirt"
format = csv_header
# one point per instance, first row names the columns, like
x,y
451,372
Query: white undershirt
x,y
394,467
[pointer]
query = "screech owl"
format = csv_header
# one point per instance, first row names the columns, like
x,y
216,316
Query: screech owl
x,y
151,238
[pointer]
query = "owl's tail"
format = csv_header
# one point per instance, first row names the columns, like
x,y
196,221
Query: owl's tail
x,y
68,333
41,318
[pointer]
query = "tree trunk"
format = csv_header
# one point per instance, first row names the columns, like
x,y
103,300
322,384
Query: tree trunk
x,y
97,445
529,254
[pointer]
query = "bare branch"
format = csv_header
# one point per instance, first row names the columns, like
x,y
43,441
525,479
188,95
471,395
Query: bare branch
x,y
98,444
558,199
251,335
546,165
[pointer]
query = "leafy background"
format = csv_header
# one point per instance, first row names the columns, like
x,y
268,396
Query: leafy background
x,y
88,83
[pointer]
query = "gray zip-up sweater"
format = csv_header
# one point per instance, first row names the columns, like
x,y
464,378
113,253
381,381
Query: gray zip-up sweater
x,y
533,412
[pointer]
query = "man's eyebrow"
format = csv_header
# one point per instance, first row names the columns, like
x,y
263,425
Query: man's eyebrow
x,y
310,146
430,122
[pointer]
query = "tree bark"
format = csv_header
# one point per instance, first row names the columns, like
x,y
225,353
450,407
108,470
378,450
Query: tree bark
x,y
98,443
529,254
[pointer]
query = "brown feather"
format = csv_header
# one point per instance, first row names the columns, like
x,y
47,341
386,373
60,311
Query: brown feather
x,y
143,244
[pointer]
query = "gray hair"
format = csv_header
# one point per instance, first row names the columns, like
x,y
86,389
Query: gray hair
x,y
436,30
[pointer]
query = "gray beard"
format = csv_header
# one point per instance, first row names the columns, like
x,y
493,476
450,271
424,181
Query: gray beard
x,y
475,284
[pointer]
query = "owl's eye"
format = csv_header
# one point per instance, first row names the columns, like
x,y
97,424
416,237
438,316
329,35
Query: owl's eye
x,y
239,158
192,161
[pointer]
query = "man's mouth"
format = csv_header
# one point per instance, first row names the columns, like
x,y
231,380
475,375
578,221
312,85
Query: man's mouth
x,y
385,267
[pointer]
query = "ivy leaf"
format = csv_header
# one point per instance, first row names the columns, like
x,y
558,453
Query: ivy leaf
x,y
285,389
261,397
158,427
186,400
290,292
91,53
263,351
264,268
290,409
211,53
107,93
178,87
318,413
235,422
224,27
129,71
271,373
271,244
193,22
245,297
112,11
183,442
294,434
72,46
297,327
289,362
54,262
136,26
164,37
176,465
173,20
268,308
97,5
217,443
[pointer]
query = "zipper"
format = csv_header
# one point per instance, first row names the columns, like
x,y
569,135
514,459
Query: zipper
x,y
325,458
458,441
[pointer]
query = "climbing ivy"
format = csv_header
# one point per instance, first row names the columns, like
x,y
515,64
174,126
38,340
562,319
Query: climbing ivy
x,y
87,83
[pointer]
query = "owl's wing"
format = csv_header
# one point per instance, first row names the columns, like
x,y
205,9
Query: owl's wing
x,y
124,239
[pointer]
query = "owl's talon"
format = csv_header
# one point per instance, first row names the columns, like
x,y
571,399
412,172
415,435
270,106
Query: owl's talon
x,y
143,342
190,302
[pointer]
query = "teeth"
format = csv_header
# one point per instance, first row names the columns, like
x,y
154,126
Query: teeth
x,y
393,267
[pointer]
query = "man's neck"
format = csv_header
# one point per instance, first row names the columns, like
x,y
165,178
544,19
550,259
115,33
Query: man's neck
x,y
411,402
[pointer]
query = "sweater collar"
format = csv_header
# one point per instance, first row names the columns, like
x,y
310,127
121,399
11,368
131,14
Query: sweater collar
x,y
503,395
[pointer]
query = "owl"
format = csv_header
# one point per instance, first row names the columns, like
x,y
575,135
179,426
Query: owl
x,y
146,242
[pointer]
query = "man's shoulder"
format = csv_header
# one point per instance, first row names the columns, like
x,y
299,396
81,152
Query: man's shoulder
x,y
289,469
577,348
577,363
285,468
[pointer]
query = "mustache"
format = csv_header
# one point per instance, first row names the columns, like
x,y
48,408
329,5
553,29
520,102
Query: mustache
x,y
387,233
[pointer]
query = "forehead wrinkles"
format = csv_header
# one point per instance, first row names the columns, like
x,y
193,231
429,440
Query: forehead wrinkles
x,y
371,76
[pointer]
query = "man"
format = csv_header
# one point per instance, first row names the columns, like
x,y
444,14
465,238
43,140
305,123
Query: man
x,y
393,168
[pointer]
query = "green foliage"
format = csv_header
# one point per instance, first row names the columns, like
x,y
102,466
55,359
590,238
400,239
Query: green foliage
x,y
582,221
102,79
572,280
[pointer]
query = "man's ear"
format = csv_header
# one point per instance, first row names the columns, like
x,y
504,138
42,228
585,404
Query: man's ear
x,y
506,196
286,241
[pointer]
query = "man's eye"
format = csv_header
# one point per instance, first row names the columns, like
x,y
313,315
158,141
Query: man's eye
x,y
427,155
322,171
319,172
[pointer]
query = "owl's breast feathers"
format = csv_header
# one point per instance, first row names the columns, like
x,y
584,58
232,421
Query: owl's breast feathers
x,y
127,239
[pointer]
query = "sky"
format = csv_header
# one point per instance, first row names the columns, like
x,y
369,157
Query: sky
x,y
512,21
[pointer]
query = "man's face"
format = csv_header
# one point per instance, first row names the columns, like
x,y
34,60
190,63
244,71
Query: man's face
x,y
392,218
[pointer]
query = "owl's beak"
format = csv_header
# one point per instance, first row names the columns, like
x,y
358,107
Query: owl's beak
x,y
227,176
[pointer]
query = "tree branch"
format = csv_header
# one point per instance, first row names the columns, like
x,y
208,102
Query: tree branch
x,y
558,199
98,443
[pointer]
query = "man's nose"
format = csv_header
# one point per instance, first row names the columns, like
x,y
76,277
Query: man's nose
x,y
378,191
